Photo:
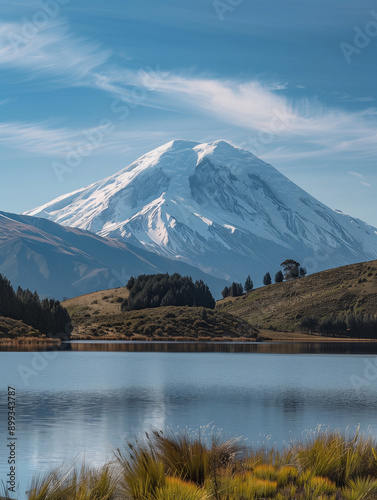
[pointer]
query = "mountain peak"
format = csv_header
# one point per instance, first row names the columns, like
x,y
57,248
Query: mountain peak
x,y
178,144
217,207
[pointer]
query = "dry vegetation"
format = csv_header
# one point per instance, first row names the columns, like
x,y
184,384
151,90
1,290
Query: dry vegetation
x,y
11,329
104,302
169,466
281,306
98,316
272,312
163,323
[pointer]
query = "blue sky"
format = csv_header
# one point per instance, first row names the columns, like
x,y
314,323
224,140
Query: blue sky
x,y
87,87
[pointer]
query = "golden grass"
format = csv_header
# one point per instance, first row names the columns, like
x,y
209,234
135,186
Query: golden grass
x,y
104,302
280,307
11,329
176,488
187,467
161,323
84,484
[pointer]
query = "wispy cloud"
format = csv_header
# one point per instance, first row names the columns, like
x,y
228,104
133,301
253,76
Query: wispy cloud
x,y
39,138
345,97
361,177
256,107
45,140
356,174
53,52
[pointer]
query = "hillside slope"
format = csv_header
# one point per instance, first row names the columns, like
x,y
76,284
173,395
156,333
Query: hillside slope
x,y
281,306
98,316
62,262
14,329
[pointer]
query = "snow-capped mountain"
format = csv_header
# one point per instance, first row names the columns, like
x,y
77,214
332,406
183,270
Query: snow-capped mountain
x,y
62,262
217,207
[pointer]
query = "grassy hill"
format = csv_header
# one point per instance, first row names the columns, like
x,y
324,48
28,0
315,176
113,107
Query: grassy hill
x,y
275,311
281,306
104,302
98,315
12,329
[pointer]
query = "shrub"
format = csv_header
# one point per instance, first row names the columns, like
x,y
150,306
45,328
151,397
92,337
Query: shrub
x,y
170,315
286,475
322,485
175,489
265,471
200,324
309,323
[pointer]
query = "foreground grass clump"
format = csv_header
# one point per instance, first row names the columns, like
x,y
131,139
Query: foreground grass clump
x,y
183,467
85,484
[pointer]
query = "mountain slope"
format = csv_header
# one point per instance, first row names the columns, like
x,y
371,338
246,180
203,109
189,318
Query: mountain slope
x,y
346,290
63,262
217,207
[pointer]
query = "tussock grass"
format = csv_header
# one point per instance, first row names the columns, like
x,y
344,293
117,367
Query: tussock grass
x,y
184,490
15,329
182,466
360,488
162,323
83,484
143,474
330,455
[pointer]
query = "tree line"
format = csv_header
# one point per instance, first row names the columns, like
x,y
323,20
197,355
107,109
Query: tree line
x,y
158,290
47,315
362,325
292,270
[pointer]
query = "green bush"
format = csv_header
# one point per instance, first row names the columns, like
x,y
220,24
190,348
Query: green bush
x,y
159,290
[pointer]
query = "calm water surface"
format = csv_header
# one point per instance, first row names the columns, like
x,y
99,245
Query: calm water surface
x,y
77,402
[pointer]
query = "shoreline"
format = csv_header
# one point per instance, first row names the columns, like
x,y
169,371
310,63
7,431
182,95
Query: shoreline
x,y
276,338
29,340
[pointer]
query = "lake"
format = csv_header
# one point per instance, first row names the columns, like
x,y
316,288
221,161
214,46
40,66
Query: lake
x,y
89,398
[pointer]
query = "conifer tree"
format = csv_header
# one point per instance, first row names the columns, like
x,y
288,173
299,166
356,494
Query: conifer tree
x,y
279,277
267,279
249,285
